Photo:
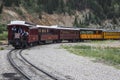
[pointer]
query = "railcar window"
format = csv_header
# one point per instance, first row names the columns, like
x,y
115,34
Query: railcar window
x,y
67,32
47,30
43,30
52,31
91,32
87,32
73,32
111,33
98,32
82,32
64,32
39,31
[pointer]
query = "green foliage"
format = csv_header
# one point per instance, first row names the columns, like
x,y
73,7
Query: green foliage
x,y
1,48
80,24
9,3
3,36
17,2
97,9
3,28
1,8
61,6
76,24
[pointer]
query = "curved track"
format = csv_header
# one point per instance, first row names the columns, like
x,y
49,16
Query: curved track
x,y
27,69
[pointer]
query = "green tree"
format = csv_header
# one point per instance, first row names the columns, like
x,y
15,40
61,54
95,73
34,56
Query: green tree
x,y
115,20
17,2
8,3
1,8
61,6
76,24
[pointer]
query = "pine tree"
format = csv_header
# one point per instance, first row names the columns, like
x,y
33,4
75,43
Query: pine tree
x,y
8,3
76,24
1,8
17,2
61,6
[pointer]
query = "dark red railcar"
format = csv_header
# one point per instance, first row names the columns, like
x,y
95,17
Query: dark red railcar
x,y
57,34
47,34
70,34
15,38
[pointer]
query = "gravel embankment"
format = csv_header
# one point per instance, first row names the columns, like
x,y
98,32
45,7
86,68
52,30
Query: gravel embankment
x,y
60,62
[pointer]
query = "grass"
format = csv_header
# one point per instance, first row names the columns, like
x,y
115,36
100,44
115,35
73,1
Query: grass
x,y
104,41
110,55
1,48
3,36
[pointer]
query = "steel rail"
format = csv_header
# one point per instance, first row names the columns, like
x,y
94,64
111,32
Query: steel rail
x,y
12,62
51,76
9,56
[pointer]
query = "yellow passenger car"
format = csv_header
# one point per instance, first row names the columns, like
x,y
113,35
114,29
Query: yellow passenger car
x,y
111,35
91,34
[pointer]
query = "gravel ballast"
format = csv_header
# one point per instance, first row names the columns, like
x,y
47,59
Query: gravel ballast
x,y
60,62
7,72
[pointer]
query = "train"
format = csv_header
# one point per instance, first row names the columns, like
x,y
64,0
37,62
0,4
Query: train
x,y
22,34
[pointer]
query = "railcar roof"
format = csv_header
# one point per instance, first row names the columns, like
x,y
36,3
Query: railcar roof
x,y
111,30
92,29
80,28
56,27
23,23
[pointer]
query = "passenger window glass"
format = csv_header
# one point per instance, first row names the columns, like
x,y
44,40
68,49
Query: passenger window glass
x,y
82,32
43,30
87,32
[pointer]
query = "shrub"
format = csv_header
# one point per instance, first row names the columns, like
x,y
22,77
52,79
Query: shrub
x,y
1,48
3,28
1,8
3,36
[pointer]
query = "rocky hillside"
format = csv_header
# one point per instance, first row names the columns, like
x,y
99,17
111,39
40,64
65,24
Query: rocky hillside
x,y
21,13
79,13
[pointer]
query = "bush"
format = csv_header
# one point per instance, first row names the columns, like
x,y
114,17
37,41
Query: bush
x,y
3,36
8,3
1,8
1,48
3,28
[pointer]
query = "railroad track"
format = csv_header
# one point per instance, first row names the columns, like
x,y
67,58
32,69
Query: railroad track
x,y
27,69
